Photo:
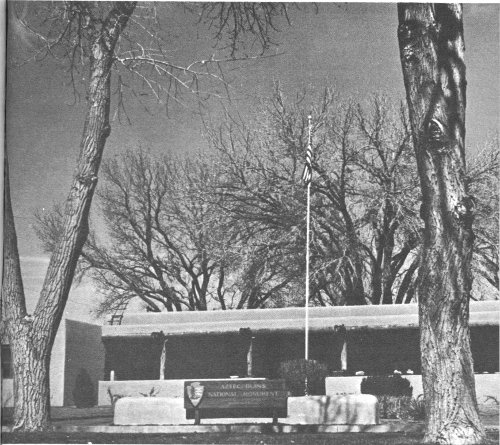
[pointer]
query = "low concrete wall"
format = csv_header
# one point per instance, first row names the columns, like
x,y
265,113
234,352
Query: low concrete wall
x,y
136,388
360,409
352,385
486,385
357,409
140,388
150,411
165,411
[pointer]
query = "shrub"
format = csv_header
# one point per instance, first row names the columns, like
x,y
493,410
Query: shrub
x,y
153,392
113,398
416,410
393,385
83,391
391,407
402,407
294,373
394,396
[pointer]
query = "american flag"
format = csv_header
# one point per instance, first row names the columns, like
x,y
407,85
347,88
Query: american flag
x,y
307,173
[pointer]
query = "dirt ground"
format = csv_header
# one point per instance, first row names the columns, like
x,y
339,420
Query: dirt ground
x,y
250,439
103,416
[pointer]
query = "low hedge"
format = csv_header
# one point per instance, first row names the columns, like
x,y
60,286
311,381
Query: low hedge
x,y
393,385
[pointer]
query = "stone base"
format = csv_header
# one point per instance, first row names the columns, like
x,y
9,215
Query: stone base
x,y
136,388
359,409
240,428
150,411
395,427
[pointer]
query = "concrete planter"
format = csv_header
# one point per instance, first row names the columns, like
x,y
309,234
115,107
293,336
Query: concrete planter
x,y
359,409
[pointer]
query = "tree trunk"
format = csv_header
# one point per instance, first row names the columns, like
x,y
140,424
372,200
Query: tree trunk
x,y
431,51
31,361
357,295
406,283
31,337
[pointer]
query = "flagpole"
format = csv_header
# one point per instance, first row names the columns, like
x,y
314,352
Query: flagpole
x,y
308,219
307,270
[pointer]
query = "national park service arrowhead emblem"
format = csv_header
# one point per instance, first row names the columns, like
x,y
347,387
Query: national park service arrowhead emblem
x,y
195,393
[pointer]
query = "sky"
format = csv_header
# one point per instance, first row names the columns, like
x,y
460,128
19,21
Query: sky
x,y
351,47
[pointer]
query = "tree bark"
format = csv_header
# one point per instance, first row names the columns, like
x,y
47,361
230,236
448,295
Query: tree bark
x,y
31,337
31,361
431,51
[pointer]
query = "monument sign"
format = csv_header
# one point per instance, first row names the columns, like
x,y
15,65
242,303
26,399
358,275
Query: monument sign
x,y
235,398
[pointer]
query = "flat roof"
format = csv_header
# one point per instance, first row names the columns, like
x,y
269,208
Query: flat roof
x,y
287,320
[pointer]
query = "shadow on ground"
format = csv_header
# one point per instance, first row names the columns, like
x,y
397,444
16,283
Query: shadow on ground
x,y
249,439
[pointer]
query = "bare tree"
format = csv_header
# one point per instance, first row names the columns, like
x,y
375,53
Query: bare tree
x,y
31,336
225,233
365,229
166,244
432,56
96,38
388,183
482,180
166,240
260,199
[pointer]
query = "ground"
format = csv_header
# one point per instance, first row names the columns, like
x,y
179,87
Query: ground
x,y
249,439
103,416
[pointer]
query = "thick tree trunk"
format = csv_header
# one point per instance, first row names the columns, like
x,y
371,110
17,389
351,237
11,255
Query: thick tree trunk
x,y
431,50
31,360
31,337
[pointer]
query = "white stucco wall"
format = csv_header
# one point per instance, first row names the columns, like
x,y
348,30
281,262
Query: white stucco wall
x,y
77,345
57,366
486,385
84,349
56,373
